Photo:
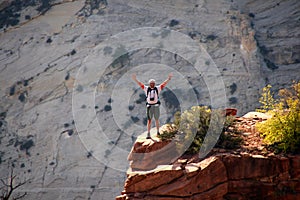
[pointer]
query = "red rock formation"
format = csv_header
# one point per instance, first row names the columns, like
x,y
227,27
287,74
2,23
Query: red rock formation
x,y
148,154
230,111
223,176
249,172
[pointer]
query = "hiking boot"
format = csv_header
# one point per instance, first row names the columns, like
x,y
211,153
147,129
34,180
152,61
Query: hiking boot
x,y
148,136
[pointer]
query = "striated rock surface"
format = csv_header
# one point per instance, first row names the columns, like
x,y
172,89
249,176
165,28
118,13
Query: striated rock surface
x,y
222,176
44,44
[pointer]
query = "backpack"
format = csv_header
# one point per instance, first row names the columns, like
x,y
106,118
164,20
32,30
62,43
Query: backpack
x,y
148,91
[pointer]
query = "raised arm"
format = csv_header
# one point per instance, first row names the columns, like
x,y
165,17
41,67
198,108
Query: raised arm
x,y
137,81
167,80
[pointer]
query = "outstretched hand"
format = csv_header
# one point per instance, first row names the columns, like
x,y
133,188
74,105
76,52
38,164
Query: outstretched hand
x,y
133,76
170,76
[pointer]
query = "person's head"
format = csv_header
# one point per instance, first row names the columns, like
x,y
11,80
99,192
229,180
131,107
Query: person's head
x,y
151,83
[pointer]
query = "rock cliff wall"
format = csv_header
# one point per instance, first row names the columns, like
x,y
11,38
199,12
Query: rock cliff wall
x,y
218,177
43,44
277,37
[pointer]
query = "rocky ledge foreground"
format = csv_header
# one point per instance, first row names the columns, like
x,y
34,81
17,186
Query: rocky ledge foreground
x,y
249,172
224,176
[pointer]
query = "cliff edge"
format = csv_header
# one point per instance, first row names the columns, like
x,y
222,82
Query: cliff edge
x,y
249,172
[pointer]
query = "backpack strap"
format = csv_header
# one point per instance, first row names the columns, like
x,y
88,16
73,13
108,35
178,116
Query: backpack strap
x,y
156,90
149,90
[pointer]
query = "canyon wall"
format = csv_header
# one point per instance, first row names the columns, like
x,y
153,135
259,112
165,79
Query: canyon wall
x,y
45,45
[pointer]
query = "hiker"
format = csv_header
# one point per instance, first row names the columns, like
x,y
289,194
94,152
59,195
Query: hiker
x,y
152,98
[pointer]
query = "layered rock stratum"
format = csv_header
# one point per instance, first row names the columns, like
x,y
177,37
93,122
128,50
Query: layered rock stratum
x,y
44,45
250,171
223,176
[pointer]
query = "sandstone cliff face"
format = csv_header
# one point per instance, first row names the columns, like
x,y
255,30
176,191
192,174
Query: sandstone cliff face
x,y
222,176
42,54
277,36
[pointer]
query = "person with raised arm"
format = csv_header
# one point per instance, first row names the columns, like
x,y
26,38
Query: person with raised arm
x,y
152,97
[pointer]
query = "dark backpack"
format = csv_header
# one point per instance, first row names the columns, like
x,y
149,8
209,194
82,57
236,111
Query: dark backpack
x,y
149,90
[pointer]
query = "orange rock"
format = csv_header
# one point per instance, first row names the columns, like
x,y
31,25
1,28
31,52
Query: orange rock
x,y
121,197
252,189
211,173
148,155
295,167
144,182
230,111
223,176
250,167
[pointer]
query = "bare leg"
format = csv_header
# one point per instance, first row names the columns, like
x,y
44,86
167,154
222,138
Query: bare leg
x,y
157,125
148,127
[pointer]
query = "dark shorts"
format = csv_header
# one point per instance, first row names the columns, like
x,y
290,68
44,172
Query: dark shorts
x,y
153,110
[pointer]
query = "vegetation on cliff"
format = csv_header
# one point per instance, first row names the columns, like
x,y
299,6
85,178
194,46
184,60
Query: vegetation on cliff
x,y
282,130
280,133
190,128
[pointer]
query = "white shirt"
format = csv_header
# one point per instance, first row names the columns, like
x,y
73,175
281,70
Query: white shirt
x,y
152,93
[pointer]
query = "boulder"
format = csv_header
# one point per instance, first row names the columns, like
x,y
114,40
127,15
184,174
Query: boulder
x,y
257,115
148,154
230,111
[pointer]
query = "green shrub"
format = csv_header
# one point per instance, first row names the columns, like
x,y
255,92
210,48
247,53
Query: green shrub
x,y
193,125
168,131
267,100
283,130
